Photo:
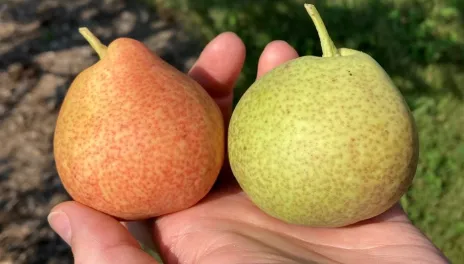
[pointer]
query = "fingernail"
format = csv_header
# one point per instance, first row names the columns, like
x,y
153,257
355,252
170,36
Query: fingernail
x,y
59,222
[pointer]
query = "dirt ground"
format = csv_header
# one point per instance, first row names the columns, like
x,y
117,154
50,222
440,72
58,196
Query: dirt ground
x,y
41,52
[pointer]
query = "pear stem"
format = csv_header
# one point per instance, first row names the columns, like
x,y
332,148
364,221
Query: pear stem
x,y
328,47
94,42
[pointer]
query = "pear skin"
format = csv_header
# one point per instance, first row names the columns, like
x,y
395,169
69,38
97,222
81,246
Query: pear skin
x,y
324,141
136,138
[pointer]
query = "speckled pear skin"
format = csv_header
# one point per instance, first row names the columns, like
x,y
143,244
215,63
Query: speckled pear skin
x,y
324,141
136,138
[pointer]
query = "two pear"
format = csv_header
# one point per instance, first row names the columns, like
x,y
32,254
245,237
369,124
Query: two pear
x,y
317,141
324,141
136,138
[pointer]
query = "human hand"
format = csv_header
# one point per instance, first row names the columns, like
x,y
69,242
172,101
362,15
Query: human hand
x,y
226,227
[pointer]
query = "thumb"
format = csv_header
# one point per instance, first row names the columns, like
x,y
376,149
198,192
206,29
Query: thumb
x,y
95,237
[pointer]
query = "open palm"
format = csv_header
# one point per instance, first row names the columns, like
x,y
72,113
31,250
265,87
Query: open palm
x,y
226,227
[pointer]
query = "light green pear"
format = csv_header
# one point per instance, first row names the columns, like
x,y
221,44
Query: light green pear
x,y
324,141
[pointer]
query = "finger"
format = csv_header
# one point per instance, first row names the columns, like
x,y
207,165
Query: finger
x,y
274,54
95,237
218,68
393,214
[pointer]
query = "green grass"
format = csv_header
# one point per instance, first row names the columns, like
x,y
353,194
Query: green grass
x,y
420,43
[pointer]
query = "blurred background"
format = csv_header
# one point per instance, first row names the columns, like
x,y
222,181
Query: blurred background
x,y
420,43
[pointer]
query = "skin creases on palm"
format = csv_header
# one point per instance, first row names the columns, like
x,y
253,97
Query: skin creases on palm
x,y
227,228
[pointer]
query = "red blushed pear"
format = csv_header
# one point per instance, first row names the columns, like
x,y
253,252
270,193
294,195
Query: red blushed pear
x,y
136,138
